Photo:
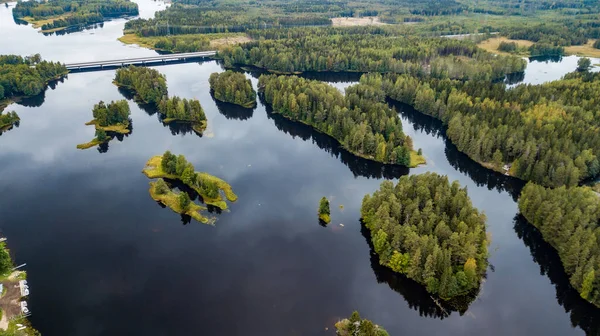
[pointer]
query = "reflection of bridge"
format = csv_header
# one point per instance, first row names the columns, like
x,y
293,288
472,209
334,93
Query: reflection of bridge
x,y
141,61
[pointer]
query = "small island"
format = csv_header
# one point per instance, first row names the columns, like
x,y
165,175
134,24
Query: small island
x,y
357,326
178,202
427,229
175,109
174,167
324,210
150,87
361,121
232,87
567,219
8,120
111,118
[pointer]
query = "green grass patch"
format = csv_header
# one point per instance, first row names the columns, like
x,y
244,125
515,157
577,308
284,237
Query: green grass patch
x,y
92,143
118,128
171,200
416,159
325,218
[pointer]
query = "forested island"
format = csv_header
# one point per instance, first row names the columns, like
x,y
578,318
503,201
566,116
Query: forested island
x,y
544,133
54,15
150,87
357,326
180,202
232,87
361,120
8,120
568,220
26,76
427,229
170,166
111,118
324,210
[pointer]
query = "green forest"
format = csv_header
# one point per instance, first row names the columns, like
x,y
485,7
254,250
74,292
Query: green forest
x,y
27,76
427,229
66,13
360,120
357,326
115,113
368,49
544,133
568,219
232,87
324,210
8,119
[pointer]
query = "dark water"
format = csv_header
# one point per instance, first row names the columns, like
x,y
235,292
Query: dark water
x,y
104,259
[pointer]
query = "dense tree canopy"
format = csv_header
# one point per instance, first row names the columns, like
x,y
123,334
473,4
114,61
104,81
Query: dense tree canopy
x,y
427,229
361,121
324,210
26,76
368,49
8,119
182,109
69,13
546,133
568,219
149,85
116,112
233,87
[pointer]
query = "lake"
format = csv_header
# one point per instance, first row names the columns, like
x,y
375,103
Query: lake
x,y
103,258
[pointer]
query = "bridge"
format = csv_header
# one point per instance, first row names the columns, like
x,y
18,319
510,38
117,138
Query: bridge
x,y
140,61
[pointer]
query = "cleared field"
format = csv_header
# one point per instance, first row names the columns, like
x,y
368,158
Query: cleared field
x,y
492,44
584,50
216,40
351,21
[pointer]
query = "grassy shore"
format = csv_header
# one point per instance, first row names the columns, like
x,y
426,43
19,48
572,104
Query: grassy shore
x,y
325,218
492,44
216,41
154,170
118,128
93,143
171,200
39,23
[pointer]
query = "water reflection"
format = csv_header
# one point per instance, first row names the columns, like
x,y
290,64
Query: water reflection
x,y
583,314
460,161
103,147
546,59
359,166
233,111
75,29
176,128
10,127
413,293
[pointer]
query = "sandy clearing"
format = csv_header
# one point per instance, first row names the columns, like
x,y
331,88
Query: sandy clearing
x,y
352,21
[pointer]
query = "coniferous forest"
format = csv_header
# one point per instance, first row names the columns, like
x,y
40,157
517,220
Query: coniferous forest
x,y
361,120
568,220
26,76
232,87
427,229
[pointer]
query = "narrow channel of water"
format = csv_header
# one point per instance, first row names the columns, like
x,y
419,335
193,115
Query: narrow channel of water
x,y
104,259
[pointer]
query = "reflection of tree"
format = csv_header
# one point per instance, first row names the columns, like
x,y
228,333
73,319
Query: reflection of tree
x,y
583,314
514,78
176,128
6,129
103,147
413,293
75,29
233,111
460,161
546,59
359,166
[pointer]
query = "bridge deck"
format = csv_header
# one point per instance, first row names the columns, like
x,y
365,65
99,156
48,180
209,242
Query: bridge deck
x,y
138,60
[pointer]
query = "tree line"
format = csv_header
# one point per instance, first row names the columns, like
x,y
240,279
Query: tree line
x,y
183,170
568,220
357,326
182,109
233,87
334,49
27,76
116,112
74,12
544,133
361,121
427,229
8,119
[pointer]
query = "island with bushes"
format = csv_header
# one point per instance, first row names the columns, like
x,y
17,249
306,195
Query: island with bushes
x,y
361,121
26,76
232,87
150,87
178,202
8,120
427,229
324,210
357,326
170,166
112,118
568,220
55,15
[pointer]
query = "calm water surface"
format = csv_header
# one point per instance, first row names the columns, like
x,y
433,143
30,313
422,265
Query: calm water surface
x,y
104,259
